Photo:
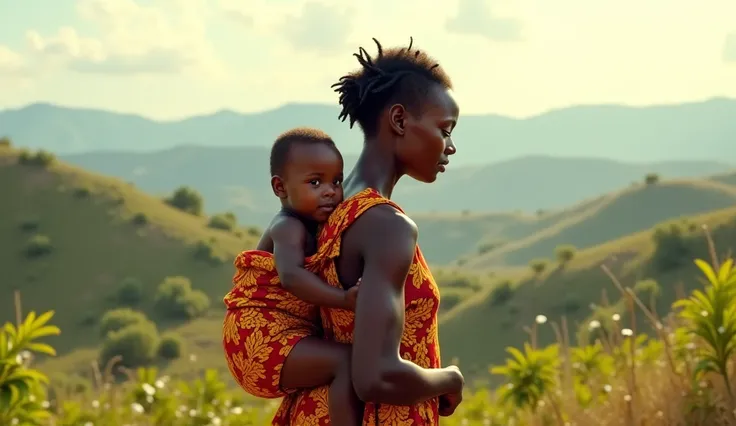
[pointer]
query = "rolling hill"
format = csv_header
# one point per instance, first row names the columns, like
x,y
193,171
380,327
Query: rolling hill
x,y
615,215
477,330
70,237
697,130
236,179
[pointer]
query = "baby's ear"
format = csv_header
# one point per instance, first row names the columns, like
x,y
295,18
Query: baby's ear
x,y
277,185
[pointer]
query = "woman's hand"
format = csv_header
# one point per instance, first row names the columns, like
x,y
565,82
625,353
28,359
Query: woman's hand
x,y
351,296
449,402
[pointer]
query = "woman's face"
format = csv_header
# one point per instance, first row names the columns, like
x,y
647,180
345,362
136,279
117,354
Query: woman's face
x,y
426,140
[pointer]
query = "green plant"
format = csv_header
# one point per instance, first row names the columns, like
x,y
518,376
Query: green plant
x,y
170,347
117,319
564,254
530,375
22,388
130,292
136,344
226,222
538,266
502,293
651,178
187,200
139,219
710,314
37,246
175,298
5,142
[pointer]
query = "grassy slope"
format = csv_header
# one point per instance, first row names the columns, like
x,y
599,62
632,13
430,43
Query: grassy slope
x,y
477,331
622,213
446,237
95,246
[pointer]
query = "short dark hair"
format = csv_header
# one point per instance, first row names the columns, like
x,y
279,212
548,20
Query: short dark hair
x,y
396,75
300,135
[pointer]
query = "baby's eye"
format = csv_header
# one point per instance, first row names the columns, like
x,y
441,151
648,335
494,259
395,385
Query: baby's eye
x,y
338,181
315,182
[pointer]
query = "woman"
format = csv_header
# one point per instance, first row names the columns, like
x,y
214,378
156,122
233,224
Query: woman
x,y
401,99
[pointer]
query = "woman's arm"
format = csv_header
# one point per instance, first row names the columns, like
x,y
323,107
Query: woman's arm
x,y
289,236
380,375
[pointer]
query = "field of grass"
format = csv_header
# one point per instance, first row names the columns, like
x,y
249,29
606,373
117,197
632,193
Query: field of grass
x,y
95,244
477,330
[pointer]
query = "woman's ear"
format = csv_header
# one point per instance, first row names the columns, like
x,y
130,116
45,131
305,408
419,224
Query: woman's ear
x,y
277,185
397,119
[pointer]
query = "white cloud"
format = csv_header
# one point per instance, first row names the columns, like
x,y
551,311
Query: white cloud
x,y
12,64
478,17
319,27
165,38
729,48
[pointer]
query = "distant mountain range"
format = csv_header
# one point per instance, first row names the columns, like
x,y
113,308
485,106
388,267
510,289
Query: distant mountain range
x,y
237,179
690,131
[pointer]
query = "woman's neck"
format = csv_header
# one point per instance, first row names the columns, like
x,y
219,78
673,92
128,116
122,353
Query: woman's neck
x,y
375,168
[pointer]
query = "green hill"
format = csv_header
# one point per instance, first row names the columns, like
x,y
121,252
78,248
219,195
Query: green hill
x,y
727,178
477,330
70,238
631,210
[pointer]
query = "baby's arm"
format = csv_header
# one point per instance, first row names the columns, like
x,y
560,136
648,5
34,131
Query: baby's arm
x,y
289,237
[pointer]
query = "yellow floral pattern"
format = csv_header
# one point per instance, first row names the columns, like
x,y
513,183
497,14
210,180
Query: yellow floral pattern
x,y
419,342
262,324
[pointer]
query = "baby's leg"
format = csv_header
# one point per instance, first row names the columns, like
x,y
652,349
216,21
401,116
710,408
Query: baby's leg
x,y
315,362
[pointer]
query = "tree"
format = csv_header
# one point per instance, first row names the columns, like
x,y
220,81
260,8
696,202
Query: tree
x,y
538,266
224,221
651,178
565,253
130,292
37,246
175,298
136,344
117,319
170,347
187,199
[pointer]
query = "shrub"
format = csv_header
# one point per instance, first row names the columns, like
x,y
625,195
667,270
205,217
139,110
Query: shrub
x,y
40,158
5,142
37,246
672,245
565,253
253,231
538,266
117,319
130,292
176,299
647,289
502,293
187,199
170,347
139,219
488,247
651,179
136,344
225,221
205,251
82,192
28,225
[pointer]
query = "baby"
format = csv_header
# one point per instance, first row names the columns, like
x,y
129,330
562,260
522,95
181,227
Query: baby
x,y
271,332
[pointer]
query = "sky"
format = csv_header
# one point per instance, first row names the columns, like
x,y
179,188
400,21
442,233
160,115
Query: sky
x,y
168,59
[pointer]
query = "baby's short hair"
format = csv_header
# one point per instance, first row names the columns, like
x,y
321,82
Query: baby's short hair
x,y
300,135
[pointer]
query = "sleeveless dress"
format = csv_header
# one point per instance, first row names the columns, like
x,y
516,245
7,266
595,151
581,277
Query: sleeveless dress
x,y
419,342
263,321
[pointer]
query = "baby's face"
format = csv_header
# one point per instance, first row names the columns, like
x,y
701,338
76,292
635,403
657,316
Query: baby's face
x,y
313,180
